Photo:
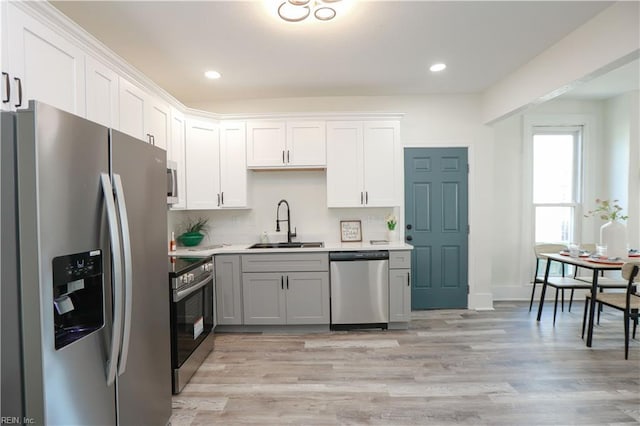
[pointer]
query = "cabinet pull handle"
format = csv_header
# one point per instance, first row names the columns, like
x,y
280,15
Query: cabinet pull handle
x,y
366,197
361,197
153,140
218,200
287,282
408,279
7,86
222,198
19,104
287,156
283,156
281,282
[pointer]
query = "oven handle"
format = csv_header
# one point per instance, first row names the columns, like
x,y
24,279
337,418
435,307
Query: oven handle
x,y
181,294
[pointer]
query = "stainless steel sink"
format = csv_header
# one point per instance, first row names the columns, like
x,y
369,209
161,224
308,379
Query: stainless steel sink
x,y
287,245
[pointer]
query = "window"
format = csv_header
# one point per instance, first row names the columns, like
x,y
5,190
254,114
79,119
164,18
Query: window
x,y
557,165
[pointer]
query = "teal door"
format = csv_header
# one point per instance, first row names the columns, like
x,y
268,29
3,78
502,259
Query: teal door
x,y
436,219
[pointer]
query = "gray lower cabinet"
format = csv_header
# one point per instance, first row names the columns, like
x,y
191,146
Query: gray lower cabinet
x,y
400,286
289,297
228,290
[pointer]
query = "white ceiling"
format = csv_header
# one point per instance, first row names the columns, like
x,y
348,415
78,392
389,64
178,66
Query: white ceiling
x,y
378,48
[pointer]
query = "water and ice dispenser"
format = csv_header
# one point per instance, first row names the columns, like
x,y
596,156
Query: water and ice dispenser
x,y
78,296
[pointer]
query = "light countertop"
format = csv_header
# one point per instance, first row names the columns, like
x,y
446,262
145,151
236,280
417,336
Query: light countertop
x,y
204,251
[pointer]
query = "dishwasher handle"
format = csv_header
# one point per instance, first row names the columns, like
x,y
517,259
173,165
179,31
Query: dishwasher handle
x,y
351,256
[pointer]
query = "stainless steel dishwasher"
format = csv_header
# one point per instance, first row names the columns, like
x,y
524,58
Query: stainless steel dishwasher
x,y
359,289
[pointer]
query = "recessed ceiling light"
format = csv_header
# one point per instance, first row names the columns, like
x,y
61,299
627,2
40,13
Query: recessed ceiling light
x,y
437,67
213,75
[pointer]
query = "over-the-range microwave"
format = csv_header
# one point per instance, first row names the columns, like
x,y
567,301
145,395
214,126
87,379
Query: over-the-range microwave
x,y
172,182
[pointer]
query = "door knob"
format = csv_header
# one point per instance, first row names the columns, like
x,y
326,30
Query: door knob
x,y
409,226
409,238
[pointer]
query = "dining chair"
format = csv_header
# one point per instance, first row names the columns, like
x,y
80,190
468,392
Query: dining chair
x,y
604,283
538,276
627,302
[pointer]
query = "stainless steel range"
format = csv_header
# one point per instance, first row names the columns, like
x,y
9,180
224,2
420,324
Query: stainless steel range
x,y
191,285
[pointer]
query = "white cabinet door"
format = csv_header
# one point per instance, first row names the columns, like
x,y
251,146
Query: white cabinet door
x,y
42,65
306,144
381,148
266,146
202,161
307,297
344,164
102,93
399,295
176,153
362,160
132,109
233,167
157,119
228,289
263,298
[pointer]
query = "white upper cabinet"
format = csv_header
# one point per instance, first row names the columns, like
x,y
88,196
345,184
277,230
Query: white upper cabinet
x,y
306,144
176,153
202,163
266,143
102,93
361,163
158,122
286,144
131,113
215,165
143,116
41,65
233,165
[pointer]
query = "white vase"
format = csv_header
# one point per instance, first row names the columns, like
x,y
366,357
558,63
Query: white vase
x,y
613,235
392,235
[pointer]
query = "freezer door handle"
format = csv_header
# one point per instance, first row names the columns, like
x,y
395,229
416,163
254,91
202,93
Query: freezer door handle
x,y
128,272
114,238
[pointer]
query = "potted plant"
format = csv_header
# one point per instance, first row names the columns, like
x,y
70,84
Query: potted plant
x,y
192,231
391,221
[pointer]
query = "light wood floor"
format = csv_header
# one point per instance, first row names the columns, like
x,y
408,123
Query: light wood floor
x,y
452,367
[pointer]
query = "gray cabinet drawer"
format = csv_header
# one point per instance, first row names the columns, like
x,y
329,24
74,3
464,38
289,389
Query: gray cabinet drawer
x,y
399,259
290,262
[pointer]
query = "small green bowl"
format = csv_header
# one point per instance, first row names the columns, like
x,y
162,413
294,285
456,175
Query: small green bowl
x,y
191,239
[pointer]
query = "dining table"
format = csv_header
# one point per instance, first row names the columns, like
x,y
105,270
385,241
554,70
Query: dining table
x,y
596,265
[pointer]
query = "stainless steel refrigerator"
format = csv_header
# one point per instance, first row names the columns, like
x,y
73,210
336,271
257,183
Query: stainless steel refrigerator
x,y
85,306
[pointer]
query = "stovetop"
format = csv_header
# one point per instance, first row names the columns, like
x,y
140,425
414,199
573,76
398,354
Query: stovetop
x,y
180,265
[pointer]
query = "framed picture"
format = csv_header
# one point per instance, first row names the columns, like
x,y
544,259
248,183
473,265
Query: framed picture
x,y
350,231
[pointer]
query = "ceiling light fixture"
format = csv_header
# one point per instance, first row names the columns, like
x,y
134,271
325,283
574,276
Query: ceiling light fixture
x,y
212,75
437,67
299,10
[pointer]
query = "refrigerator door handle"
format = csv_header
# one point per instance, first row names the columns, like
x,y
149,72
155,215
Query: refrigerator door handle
x,y
128,272
114,238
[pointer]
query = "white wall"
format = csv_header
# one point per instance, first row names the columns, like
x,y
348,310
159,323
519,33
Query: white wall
x,y
620,136
611,146
452,120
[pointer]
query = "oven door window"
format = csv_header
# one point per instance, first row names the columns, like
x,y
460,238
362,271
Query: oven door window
x,y
193,320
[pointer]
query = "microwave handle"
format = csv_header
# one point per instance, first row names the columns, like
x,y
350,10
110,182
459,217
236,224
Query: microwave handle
x,y
174,182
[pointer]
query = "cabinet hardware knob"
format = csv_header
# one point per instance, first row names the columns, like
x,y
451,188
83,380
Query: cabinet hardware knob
x,y
409,238
409,226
